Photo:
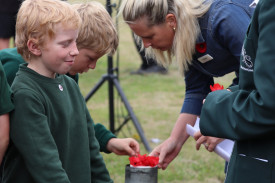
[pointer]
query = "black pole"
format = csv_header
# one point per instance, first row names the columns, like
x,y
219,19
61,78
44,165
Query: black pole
x,y
111,95
110,81
109,7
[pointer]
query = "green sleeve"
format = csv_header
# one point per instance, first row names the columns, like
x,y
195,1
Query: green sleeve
x,y
99,174
11,68
32,137
103,136
236,115
11,60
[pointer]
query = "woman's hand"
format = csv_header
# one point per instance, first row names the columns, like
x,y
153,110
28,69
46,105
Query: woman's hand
x,y
209,142
167,152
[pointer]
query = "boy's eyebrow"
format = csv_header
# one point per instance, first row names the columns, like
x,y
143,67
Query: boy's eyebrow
x,y
90,57
67,40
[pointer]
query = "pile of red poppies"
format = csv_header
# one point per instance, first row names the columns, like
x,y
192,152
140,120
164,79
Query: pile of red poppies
x,y
144,160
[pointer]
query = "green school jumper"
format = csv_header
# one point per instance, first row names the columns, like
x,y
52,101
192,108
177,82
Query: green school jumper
x,y
52,134
11,60
6,104
247,115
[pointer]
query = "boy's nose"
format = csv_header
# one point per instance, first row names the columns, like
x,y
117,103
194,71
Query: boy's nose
x,y
74,51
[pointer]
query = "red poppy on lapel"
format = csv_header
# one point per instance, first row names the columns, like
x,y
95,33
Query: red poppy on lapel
x,y
201,47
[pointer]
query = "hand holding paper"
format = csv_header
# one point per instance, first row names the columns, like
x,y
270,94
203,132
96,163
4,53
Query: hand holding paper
x,y
209,142
223,149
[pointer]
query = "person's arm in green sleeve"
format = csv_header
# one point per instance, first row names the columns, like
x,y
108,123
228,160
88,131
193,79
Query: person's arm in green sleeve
x,y
109,143
103,136
247,113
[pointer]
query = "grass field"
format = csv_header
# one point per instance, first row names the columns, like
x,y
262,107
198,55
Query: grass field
x,y
156,101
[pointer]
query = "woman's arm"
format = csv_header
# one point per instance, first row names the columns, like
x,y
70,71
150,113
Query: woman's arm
x,y
170,148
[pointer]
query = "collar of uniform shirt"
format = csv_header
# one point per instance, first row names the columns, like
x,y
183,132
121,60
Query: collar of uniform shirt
x,y
254,4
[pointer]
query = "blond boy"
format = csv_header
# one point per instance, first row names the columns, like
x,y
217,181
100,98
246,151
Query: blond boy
x,y
97,37
52,134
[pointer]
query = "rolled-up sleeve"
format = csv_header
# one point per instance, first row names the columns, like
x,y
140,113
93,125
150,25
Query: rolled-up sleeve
x,y
197,88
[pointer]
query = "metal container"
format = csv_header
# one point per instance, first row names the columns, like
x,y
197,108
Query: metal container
x,y
141,175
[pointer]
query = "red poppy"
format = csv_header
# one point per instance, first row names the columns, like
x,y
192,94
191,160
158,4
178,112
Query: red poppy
x,y
201,47
144,160
216,86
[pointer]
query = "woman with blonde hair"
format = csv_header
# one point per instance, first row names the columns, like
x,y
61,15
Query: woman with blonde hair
x,y
204,37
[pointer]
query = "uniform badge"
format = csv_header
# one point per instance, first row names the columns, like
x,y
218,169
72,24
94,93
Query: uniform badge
x,y
205,58
60,87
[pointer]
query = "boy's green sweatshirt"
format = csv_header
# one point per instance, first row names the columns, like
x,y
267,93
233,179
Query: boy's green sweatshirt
x,y
11,60
52,133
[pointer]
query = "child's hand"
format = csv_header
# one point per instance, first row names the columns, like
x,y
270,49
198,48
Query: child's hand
x,y
125,146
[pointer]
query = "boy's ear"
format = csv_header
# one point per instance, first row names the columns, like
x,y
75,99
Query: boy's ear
x,y
171,20
33,47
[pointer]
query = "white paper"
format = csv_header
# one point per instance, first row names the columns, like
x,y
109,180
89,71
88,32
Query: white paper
x,y
223,149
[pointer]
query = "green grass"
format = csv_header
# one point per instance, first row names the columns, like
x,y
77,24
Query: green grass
x,y
156,101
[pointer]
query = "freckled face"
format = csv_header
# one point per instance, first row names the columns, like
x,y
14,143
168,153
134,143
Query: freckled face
x,y
57,54
86,60
157,36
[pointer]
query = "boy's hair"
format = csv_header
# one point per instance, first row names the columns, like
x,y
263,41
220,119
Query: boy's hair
x,y
97,31
36,20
